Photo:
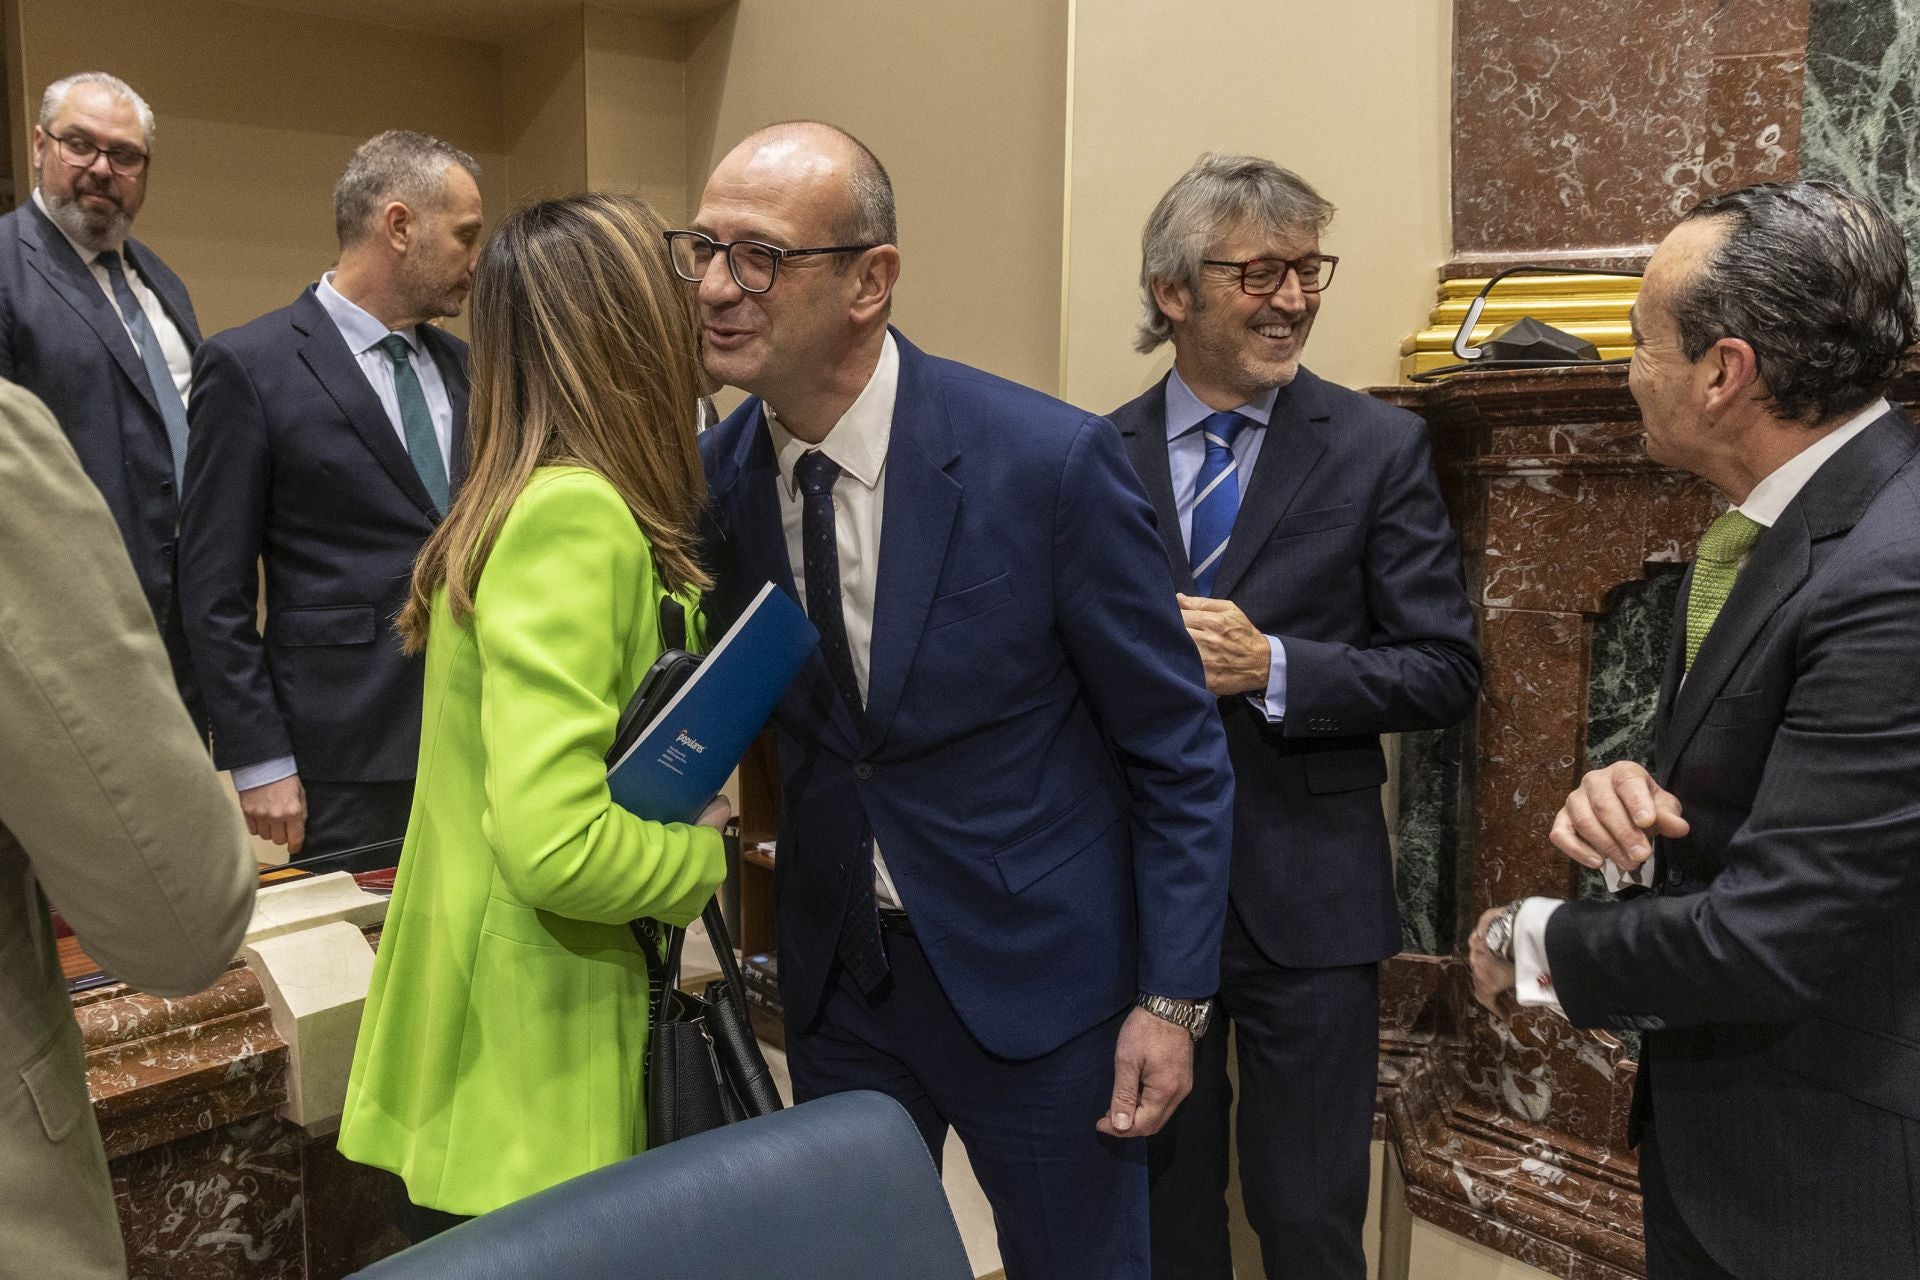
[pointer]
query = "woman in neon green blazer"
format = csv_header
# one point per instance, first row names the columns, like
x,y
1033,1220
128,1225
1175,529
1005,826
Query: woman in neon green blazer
x,y
501,1047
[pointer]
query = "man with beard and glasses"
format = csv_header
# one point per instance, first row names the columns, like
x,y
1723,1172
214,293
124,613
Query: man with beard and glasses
x,y
93,323
328,442
1320,579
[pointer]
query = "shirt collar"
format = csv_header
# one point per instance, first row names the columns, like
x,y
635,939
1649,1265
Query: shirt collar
x,y
1771,496
86,255
858,442
1186,411
356,324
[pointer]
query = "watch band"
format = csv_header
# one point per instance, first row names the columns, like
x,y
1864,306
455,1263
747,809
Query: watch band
x,y
1189,1015
1500,930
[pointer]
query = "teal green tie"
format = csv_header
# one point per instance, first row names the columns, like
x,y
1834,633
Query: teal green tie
x,y
1715,566
416,421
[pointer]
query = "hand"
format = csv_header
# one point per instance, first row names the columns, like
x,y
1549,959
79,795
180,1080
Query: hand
x,y
1607,817
717,814
1492,977
1235,654
277,811
1152,1073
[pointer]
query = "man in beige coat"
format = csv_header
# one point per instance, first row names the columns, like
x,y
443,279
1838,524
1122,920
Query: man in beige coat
x,y
111,811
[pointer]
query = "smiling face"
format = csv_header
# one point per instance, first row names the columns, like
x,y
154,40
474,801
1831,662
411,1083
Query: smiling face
x,y
1231,347
788,189
94,205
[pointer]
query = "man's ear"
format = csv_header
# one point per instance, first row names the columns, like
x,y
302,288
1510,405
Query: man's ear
x,y
39,144
1732,373
874,277
398,224
1174,300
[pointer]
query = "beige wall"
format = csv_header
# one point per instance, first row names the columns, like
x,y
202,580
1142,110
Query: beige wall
x,y
257,112
636,105
964,104
543,97
1353,97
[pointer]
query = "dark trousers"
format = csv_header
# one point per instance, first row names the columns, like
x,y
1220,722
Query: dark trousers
x,y
352,815
1067,1201
1308,1049
1673,1253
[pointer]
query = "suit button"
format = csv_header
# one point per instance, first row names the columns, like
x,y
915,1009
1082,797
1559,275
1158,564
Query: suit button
x,y
166,550
166,486
863,771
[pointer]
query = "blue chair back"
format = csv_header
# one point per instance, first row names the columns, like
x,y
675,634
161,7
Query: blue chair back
x,y
840,1188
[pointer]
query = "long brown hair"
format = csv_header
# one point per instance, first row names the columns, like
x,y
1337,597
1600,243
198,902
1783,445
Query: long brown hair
x,y
585,352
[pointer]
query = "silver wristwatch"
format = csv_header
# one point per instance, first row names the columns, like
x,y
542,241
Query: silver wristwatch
x,y
1500,931
1189,1014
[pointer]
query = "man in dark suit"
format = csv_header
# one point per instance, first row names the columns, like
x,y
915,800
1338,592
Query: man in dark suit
x,y
328,441
1004,819
1773,955
1321,581
93,323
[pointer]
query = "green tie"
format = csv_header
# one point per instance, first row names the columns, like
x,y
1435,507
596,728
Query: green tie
x,y
1715,566
416,421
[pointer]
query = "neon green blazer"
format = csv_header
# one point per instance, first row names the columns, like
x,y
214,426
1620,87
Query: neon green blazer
x,y
500,1050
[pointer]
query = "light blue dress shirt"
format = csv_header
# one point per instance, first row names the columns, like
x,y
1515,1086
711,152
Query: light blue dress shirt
x,y
363,335
1186,451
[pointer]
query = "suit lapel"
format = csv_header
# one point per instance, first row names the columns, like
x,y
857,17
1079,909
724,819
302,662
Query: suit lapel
x,y
173,299
762,549
325,353
1829,505
62,268
921,504
454,374
1143,425
1775,569
1292,448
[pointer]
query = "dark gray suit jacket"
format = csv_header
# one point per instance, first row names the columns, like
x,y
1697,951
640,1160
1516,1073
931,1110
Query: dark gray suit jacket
x,y
61,339
1776,965
1343,549
295,464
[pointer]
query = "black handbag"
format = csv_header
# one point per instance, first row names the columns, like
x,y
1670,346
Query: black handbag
x,y
704,1067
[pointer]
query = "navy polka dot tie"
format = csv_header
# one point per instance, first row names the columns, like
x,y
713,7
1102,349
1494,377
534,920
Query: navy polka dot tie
x,y
860,946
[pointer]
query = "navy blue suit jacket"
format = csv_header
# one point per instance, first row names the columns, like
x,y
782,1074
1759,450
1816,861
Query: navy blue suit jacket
x,y
1342,548
62,339
1776,965
1038,758
294,461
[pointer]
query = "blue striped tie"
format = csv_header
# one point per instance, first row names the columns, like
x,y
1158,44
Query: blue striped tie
x,y
1216,499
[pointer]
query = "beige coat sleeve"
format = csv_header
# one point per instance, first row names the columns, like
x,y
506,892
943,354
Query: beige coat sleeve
x,y
134,837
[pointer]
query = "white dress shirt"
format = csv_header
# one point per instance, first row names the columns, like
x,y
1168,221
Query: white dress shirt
x,y
172,344
364,334
858,443
1186,453
1764,507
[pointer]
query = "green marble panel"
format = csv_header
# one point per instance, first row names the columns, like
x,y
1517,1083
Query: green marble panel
x,y
1862,114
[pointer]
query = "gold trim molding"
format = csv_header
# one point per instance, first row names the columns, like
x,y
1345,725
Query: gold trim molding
x,y
1588,306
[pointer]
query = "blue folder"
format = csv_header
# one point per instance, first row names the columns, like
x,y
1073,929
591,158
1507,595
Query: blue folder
x,y
683,756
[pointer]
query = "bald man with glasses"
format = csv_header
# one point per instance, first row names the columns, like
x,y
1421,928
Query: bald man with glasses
x,y
94,323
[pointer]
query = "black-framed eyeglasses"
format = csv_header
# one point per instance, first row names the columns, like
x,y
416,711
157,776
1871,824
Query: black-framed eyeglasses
x,y
81,152
1263,277
753,264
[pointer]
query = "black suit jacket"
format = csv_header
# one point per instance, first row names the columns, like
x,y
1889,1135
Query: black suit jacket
x,y
294,462
62,339
1342,548
1776,965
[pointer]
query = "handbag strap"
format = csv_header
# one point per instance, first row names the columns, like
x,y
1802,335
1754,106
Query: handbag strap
x,y
673,624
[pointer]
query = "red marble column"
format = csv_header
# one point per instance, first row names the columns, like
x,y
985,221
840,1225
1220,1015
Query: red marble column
x,y
1582,130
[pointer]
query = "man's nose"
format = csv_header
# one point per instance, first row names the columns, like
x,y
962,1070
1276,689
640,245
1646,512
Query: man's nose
x,y
717,284
1289,297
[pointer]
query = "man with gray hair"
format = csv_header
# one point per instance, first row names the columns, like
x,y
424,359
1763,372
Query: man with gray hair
x,y
1320,580
328,442
93,323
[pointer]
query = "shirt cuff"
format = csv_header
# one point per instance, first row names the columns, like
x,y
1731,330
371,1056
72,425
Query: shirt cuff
x,y
1530,954
247,777
1273,704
